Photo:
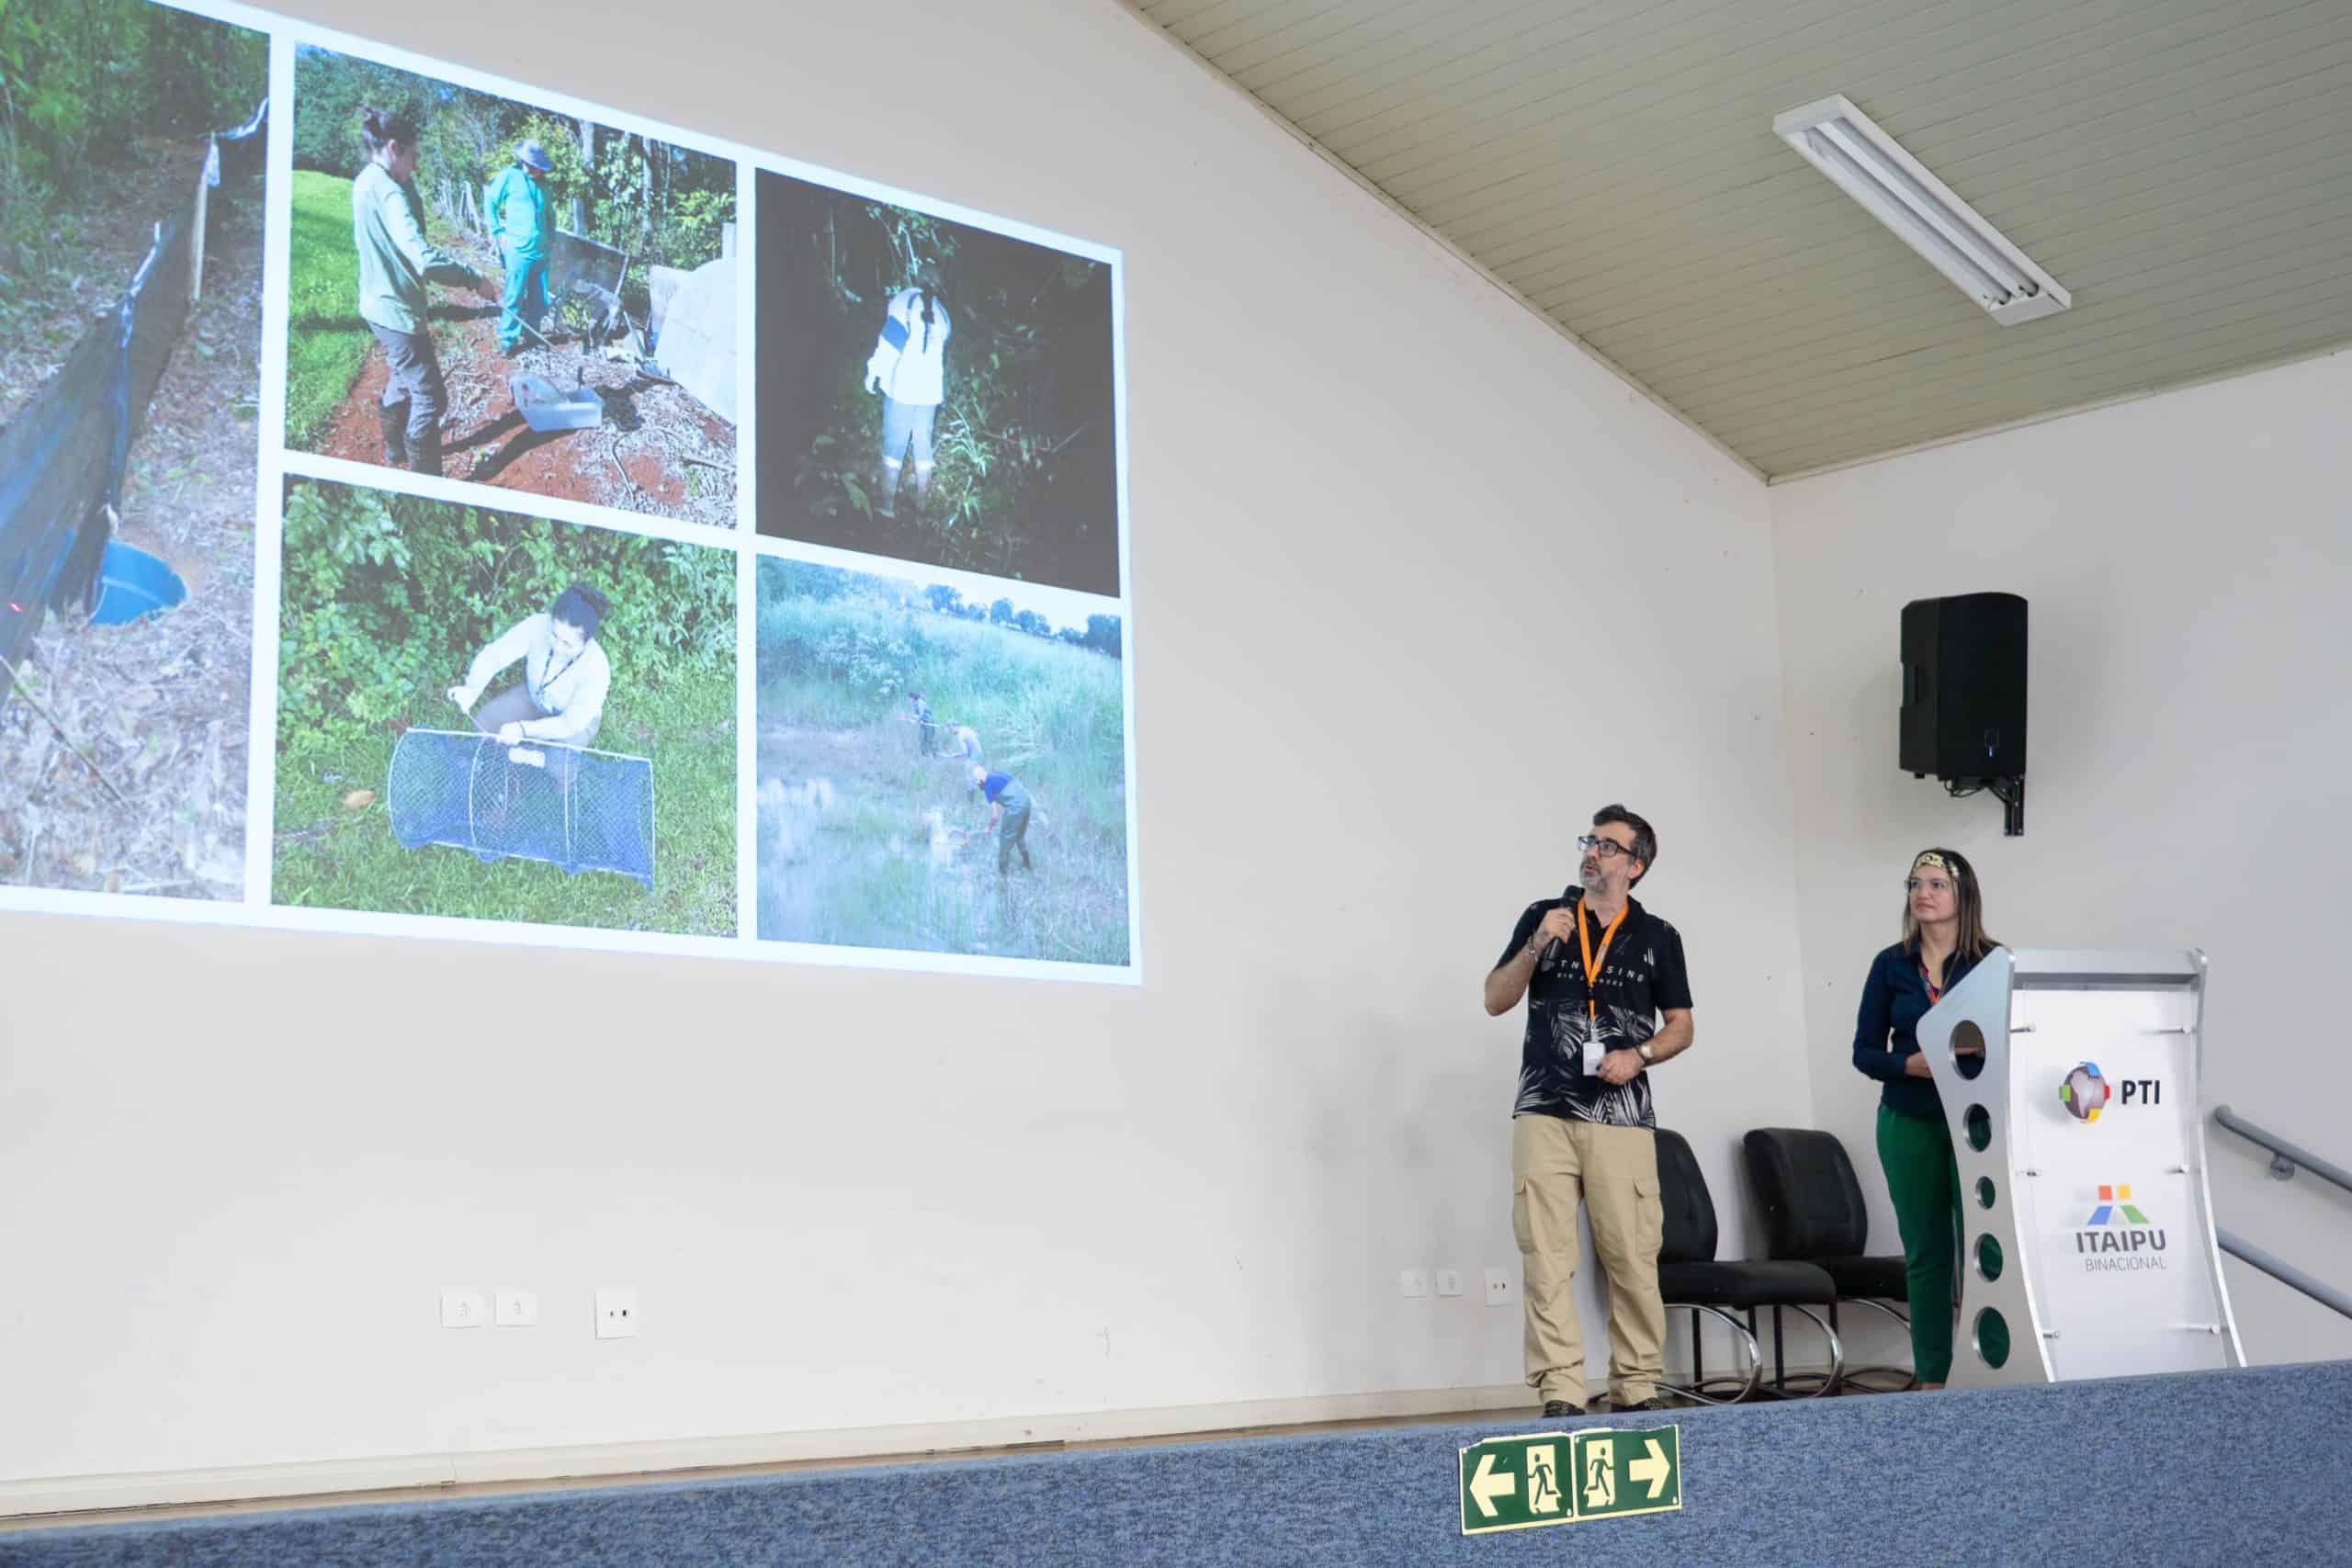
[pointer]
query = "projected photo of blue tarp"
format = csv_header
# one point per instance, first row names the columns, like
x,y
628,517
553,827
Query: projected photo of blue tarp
x,y
576,809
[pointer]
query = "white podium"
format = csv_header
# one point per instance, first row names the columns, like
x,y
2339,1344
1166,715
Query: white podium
x,y
2088,1231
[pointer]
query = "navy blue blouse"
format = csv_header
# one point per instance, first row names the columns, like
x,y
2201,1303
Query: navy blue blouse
x,y
1893,999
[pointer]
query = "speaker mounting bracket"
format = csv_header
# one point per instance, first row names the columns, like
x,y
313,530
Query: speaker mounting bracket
x,y
2008,790
2010,793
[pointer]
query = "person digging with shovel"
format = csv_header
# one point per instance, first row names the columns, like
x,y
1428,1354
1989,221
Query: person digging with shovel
x,y
1008,816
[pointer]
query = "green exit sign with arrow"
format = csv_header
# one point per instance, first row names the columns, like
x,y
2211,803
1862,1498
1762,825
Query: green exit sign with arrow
x,y
1559,1478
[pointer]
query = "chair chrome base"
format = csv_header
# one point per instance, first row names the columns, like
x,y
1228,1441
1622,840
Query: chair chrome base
x,y
1910,1375
1709,1390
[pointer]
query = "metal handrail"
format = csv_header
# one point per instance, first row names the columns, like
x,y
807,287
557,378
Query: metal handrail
x,y
2284,1158
2279,1268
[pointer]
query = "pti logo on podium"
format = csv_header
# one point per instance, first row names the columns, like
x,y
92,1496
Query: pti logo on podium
x,y
2085,1092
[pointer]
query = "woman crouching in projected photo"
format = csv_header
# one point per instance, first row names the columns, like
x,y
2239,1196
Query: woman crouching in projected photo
x,y
566,677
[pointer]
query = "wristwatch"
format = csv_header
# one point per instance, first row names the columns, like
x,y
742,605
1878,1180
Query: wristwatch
x,y
1644,1050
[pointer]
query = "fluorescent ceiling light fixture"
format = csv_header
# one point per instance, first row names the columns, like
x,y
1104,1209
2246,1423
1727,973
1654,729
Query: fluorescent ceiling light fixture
x,y
1896,188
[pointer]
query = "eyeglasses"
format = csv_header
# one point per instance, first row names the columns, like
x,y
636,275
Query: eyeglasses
x,y
1607,849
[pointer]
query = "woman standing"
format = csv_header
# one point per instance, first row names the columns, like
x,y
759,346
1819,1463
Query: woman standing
x,y
1943,939
908,367
396,261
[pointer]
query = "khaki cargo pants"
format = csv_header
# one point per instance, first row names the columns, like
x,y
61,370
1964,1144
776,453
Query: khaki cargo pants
x,y
1555,1164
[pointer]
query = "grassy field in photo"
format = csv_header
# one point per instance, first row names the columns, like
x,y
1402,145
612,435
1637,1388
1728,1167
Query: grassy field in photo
x,y
326,340
386,600
859,862
329,856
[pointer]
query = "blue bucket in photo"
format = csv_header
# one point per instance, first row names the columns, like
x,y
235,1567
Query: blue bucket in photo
x,y
133,585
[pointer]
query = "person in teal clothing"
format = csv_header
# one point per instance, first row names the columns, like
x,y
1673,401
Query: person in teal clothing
x,y
516,205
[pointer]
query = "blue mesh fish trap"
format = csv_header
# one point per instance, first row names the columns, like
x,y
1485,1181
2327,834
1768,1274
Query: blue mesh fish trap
x,y
573,807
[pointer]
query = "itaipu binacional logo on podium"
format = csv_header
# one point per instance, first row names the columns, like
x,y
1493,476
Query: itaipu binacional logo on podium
x,y
2084,1092
2119,1238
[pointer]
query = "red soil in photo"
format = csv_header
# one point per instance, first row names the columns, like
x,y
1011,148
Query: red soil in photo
x,y
653,436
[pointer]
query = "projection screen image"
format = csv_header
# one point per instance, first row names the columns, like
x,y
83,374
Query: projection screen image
x,y
382,549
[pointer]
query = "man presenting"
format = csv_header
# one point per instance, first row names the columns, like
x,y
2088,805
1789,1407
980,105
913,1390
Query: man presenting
x,y
1598,970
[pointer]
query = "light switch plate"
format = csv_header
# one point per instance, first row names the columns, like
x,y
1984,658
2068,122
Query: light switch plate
x,y
1413,1281
517,1309
461,1309
1449,1281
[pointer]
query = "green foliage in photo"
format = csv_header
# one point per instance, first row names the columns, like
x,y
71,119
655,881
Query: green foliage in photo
x,y
1025,443
387,598
86,86
657,202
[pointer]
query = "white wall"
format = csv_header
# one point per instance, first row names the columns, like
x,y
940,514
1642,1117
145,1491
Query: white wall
x,y
1417,587
2188,567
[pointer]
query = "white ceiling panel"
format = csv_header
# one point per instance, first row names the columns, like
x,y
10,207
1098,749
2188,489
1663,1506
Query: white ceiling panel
x,y
2184,167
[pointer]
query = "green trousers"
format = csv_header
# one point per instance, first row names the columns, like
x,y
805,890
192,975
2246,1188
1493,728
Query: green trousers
x,y
1924,1180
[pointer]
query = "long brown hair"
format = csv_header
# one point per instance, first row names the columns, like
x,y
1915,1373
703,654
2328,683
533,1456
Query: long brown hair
x,y
1974,941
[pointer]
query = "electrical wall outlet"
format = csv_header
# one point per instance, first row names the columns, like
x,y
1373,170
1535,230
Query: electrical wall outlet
x,y
1414,1282
517,1309
615,1313
1500,1291
1449,1281
461,1309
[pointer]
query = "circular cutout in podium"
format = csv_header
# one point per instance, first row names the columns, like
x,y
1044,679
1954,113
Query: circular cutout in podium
x,y
1984,1191
1967,1048
1992,1337
1988,1257
1978,1125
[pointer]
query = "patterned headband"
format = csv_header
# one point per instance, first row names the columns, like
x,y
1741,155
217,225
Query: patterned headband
x,y
1934,861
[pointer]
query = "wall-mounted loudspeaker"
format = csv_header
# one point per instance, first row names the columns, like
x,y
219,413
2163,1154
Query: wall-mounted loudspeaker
x,y
1963,695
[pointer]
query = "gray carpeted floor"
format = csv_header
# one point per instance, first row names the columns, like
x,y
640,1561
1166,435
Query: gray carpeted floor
x,y
2241,1468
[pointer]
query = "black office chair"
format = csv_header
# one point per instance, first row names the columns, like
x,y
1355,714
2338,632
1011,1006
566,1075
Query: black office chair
x,y
1813,1214
1690,1277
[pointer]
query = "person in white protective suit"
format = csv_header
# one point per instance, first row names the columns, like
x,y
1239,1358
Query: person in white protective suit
x,y
909,368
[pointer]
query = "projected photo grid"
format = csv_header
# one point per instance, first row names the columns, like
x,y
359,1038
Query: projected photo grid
x,y
433,506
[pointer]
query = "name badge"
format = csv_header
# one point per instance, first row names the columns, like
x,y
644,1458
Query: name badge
x,y
1593,1051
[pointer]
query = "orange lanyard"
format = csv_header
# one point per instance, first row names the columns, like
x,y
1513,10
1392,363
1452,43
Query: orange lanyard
x,y
1592,965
